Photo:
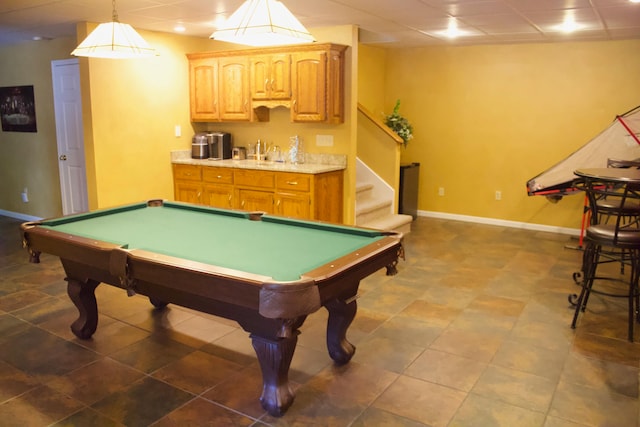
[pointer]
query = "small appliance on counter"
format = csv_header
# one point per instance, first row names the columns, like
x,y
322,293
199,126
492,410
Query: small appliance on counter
x,y
200,146
211,145
220,146
239,153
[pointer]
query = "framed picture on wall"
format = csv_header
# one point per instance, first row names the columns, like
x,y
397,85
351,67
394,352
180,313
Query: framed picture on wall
x,y
18,109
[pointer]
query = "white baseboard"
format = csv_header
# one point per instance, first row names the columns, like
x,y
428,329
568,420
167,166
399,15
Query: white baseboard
x,y
18,215
501,222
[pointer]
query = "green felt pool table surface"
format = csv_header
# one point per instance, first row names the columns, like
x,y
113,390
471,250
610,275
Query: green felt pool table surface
x,y
280,248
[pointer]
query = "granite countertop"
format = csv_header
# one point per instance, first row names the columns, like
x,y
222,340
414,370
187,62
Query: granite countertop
x,y
314,163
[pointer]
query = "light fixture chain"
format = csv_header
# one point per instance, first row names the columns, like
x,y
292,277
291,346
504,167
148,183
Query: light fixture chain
x,y
115,13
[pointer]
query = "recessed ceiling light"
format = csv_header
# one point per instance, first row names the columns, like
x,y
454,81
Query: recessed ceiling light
x,y
452,30
569,24
179,28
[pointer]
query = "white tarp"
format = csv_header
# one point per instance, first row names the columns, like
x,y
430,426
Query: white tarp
x,y
615,142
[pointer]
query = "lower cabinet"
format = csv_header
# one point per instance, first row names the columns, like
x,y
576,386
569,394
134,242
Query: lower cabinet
x,y
297,195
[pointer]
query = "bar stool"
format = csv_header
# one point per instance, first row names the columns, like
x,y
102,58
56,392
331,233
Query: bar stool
x,y
611,237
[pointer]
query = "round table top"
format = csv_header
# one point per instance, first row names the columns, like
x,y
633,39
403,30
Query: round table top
x,y
610,174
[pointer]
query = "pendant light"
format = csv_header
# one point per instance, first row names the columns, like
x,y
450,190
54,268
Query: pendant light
x,y
114,40
263,23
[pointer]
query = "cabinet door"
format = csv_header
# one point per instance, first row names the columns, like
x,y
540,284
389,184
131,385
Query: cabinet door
x,y
260,77
234,88
271,77
252,200
280,77
188,191
308,86
291,204
218,196
203,88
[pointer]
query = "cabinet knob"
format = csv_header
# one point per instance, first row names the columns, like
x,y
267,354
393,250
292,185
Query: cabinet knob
x,y
219,176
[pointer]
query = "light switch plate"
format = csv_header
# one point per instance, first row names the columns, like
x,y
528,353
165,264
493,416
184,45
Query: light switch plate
x,y
324,140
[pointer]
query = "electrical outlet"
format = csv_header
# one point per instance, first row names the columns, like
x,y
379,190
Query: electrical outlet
x,y
498,195
441,191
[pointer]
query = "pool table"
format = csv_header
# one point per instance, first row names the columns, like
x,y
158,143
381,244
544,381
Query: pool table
x,y
265,272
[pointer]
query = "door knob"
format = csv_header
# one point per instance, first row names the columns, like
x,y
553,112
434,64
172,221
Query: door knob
x,y
63,157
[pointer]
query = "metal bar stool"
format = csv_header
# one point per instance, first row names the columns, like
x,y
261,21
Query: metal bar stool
x,y
611,235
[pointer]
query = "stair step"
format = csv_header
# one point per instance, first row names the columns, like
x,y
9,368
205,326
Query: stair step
x,y
399,222
362,187
365,207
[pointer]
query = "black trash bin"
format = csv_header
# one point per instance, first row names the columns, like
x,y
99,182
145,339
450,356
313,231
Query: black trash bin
x,y
409,174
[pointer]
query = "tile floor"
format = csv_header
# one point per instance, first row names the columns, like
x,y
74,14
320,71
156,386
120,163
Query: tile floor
x,y
473,331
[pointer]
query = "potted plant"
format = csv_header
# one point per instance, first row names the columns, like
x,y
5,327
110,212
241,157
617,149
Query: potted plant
x,y
399,124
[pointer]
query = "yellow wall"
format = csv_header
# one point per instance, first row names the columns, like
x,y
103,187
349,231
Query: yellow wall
x,y
489,118
30,159
131,110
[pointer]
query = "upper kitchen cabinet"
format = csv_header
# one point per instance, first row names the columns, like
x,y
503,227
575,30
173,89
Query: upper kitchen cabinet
x,y
234,94
231,85
203,89
270,78
219,88
317,84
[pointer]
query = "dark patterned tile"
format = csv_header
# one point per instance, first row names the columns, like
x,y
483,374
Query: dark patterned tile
x,y
615,377
197,372
40,406
28,348
373,417
14,382
472,344
87,417
142,403
151,353
576,403
241,392
531,359
201,413
421,401
515,388
446,369
95,381
481,411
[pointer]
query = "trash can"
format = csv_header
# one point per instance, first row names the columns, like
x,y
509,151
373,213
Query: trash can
x,y
408,201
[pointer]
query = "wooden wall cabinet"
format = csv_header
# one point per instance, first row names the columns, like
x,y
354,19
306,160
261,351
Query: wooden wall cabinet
x,y
203,89
297,195
231,85
270,77
219,89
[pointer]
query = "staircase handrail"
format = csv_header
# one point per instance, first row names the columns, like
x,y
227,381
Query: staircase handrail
x,y
379,123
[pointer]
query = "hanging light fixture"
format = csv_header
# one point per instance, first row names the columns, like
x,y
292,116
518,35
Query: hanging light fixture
x,y
263,23
114,40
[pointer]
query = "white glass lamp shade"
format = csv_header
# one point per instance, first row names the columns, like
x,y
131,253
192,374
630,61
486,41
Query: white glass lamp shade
x,y
263,23
114,40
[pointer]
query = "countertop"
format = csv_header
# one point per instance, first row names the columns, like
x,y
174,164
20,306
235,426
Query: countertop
x,y
315,164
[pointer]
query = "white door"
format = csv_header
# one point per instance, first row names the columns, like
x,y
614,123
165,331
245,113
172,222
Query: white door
x,y
67,104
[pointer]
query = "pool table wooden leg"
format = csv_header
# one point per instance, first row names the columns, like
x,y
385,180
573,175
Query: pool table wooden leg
x,y
275,357
82,294
341,314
